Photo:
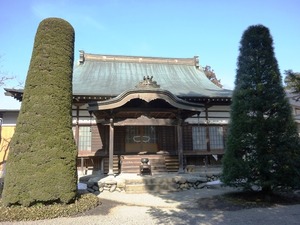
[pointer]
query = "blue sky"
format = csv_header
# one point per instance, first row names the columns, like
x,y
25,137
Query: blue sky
x,y
163,28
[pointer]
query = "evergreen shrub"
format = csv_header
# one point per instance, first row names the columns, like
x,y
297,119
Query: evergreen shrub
x,y
82,204
263,146
41,165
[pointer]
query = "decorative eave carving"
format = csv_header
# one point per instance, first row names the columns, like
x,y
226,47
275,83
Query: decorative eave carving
x,y
147,82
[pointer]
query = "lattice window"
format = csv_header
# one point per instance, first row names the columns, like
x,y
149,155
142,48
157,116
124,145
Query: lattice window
x,y
85,138
216,135
131,134
199,138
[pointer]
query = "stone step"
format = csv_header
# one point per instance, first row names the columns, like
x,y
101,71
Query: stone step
x,y
144,188
133,170
144,184
135,188
150,180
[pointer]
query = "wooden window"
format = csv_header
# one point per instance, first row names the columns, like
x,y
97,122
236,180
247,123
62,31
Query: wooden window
x,y
216,137
96,138
85,138
199,138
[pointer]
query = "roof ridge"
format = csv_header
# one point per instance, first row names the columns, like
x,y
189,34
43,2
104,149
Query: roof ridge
x,y
138,59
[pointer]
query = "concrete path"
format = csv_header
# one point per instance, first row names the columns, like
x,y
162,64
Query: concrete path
x,y
173,208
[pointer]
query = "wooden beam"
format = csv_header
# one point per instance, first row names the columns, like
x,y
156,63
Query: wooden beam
x,y
144,121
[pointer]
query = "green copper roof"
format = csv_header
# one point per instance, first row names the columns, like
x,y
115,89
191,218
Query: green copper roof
x,y
106,75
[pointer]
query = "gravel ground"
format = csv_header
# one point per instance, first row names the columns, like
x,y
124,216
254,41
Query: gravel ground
x,y
173,208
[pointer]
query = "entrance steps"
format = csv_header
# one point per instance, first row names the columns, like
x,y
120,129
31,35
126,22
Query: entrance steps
x,y
159,163
131,163
172,163
116,160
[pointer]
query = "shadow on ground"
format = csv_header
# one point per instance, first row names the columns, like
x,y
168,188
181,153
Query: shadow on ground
x,y
104,208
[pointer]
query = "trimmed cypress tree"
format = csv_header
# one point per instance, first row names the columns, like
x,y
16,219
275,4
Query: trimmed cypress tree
x,y
41,166
263,146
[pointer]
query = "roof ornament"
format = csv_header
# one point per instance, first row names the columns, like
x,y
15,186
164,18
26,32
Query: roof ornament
x,y
196,59
147,82
81,57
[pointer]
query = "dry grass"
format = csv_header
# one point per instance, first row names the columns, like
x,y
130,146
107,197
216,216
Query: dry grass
x,y
244,200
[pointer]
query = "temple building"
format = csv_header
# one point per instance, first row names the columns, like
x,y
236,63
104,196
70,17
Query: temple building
x,y
126,108
165,108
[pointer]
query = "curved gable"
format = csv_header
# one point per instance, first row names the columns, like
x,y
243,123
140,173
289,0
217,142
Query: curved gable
x,y
147,95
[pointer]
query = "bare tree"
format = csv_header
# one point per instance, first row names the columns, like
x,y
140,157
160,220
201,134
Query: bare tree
x,y
3,75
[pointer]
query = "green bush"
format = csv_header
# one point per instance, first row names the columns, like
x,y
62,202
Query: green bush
x,y
41,165
82,204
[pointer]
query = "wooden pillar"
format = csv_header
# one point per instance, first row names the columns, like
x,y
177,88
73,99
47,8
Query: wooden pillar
x,y
1,121
207,136
82,165
207,130
77,127
180,145
111,148
76,137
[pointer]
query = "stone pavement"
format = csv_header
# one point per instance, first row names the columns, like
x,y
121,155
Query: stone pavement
x,y
182,199
173,208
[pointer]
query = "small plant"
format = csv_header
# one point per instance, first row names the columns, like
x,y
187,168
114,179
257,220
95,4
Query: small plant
x,y
82,204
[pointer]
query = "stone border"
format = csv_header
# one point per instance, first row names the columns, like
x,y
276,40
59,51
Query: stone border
x,y
177,182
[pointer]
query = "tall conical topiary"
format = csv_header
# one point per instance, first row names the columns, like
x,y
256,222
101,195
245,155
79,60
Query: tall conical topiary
x,y
263,147
41,166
